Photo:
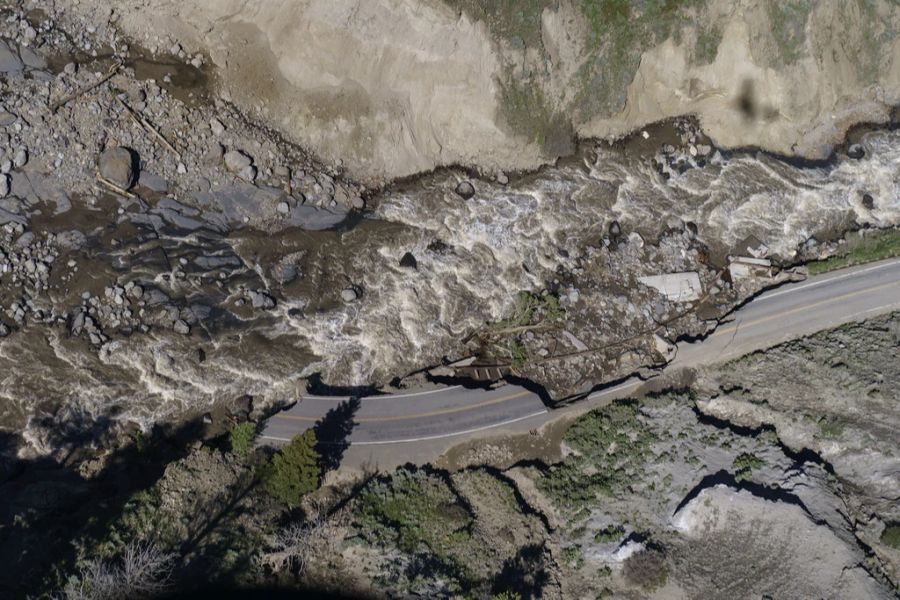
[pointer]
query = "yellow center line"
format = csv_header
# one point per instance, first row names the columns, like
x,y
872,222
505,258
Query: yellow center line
x,y
434,413
805,307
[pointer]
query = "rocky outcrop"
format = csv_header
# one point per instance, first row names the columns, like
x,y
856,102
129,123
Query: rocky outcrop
x,y
401,86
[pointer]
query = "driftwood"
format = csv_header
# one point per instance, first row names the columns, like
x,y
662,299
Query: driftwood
x,y
144,124
85,89
113,187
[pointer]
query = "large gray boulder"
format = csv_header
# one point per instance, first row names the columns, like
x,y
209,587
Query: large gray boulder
x,y
117,165
9,59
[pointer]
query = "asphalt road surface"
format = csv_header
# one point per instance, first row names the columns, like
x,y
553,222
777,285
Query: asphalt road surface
x,y
383,424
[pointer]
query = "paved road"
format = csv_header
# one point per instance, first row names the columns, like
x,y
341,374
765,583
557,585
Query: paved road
x,y
447,413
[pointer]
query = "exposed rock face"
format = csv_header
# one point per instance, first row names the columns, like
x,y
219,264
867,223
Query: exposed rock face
x,y
397,87
789,552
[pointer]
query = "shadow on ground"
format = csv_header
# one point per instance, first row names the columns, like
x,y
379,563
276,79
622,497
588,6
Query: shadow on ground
x,y
333,434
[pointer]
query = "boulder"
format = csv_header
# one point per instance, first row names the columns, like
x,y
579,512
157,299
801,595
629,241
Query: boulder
x,y
236,161
261,300
9,59
465,190
20,158
117,165
216,126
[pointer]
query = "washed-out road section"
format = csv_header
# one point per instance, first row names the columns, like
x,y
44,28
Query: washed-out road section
x,y
400,427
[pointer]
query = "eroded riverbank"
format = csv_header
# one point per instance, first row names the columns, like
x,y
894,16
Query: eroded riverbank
x,y
232,266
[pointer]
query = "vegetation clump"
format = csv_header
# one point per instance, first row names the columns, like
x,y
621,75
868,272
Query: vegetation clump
x,y
874,246
572,557
241,437
830,427
788,19
891,536
744,464
706,48
646,569
417,513
620,32
533,310
612,533
612,447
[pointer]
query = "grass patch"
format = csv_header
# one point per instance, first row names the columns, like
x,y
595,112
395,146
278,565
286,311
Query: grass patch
x,y
526,109
516,21
788,21
877,245
647,569
620,32
706,48
528,112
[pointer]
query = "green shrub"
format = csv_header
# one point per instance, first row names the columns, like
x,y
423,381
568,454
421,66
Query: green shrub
x,y
572,557
613,533
293,472
241,437
744,464
518,355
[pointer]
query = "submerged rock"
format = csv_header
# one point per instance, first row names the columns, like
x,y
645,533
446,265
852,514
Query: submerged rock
x,y
261,300
465,190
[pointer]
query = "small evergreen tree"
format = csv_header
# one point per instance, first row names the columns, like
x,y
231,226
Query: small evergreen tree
x,y
293,472
241,436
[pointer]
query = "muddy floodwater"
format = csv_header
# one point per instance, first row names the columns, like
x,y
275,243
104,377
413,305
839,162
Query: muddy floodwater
x,y
199,288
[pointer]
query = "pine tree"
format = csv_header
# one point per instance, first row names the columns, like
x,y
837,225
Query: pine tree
x,y
294,471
